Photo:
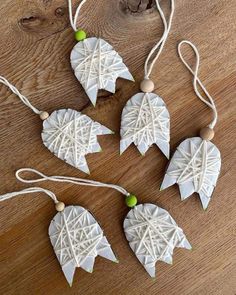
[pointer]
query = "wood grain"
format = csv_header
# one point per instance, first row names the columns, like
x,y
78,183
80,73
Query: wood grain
x,y
36,40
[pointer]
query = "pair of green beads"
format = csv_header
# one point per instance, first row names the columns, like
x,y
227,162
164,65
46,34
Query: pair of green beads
x,y
80,35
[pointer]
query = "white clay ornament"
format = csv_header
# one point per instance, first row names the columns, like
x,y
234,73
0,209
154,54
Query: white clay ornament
x,y
77,239
150,230
153,235
145,119
95,62
75,235
71,135
195,166
68,134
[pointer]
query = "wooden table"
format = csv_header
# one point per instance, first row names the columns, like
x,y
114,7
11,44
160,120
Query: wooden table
x,y
36,40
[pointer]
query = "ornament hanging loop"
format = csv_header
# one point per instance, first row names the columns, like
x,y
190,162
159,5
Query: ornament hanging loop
x,y
197,83
74,180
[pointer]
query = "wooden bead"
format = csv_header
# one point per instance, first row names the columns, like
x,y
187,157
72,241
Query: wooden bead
x,y
147,85
60,206
207,133
44,115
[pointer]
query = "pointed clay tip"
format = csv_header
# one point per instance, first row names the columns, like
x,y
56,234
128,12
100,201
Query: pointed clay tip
x,y
132,79
161,188
167,156
117,261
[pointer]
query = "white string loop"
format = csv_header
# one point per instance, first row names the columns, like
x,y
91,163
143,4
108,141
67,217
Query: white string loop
x,y
167,26
73,20
74,180
197,82
29,191
21,97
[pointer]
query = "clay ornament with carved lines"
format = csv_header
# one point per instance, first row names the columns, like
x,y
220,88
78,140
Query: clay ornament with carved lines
x,y
145,119
95,62
196,163
67,133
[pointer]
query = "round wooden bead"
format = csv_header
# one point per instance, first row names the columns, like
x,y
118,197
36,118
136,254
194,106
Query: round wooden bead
x,y
44,115
147,85
207,133
60,206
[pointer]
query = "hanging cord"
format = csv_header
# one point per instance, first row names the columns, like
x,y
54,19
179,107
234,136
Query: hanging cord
x,y
29,191
21,97
73,20
160,45
197,82
74,180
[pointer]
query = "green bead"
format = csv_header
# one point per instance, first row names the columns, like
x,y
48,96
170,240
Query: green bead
x,y
80,35
131,200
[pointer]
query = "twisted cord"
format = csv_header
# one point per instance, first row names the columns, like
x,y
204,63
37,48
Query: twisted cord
x,y
21,97
74,19
29,191
74,180
160,44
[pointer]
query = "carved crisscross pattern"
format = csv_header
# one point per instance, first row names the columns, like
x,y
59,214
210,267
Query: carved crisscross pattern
x,y
195,166
145,121
71,135
78,239
153,234
97,66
